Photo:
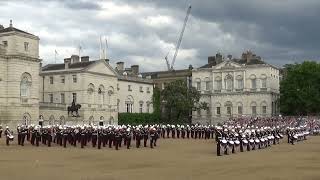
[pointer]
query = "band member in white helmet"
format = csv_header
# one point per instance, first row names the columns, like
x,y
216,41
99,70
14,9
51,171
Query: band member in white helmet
x,y
9,136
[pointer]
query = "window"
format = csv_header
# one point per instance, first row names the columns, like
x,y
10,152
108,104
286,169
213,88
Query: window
x,y
229,110
148,107
207,85
218,85
141,107
264,109
240,83
199,112
5,43
129,107
240,110
254,110
229,83
62,97
129,88
25,85
51,79
74,78
26,46
141,89
263,83
198,85
218,111
148,89
74,97
62,79
51,98
253,84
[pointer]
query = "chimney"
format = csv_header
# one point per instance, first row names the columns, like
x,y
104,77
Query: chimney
x,y
135,69
1,27
212,60
120,66
11,23
85,59
67,62
229,57
74,59
218,58
248,56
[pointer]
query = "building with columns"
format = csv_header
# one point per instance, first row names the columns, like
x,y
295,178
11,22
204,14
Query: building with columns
x,y
29,91
236,87
19,76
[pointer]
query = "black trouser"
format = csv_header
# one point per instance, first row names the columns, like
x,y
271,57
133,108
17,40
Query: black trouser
x,y
145,139
38,139
117,142
241,146
94,140
173,134
168,132
19,138
33,138
7,141
83,140
22,139
100,139
183,134
218,149
178,134
128,142
151,142
138,141
49,139
65,137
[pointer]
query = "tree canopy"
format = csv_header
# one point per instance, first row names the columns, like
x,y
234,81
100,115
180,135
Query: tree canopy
x,y
179,100
300,89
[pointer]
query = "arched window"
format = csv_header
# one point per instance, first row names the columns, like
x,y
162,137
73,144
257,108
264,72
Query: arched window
x,y
25,85
91,120
129,104
263,81
140,106
26,119
51,120
62,120
218,109
218,83
229,82
198,84
240,108
253,106
208,84
148,107
239,82
101,94
263,108
90,94
228,106
253,82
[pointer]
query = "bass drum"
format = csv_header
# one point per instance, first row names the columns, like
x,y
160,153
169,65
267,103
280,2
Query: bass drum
x,y
245,141
224,141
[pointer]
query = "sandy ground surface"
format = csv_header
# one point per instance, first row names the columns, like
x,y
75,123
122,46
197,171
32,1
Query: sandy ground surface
x,y
172,159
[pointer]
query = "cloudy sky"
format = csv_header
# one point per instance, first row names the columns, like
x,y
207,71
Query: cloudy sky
x,y
144,31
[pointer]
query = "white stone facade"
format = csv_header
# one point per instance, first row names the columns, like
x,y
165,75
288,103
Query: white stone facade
x,y
135,97
233,90
19,77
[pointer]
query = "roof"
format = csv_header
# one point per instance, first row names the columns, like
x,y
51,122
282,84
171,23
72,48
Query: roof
x,y
12,29
164,72
239,61
52,67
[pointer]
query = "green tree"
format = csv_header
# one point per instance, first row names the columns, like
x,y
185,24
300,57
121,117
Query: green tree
x,y
179,100
300,89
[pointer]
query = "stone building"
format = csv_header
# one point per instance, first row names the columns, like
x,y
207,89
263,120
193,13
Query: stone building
x,y
161,78
236,87
135,92
19,76
29,91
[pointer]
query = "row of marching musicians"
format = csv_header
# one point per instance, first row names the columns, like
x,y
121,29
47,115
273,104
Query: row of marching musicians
x,y
232,139
98,136
296,134
193,131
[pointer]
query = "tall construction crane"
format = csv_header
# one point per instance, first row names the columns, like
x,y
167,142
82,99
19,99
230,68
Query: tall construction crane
x,y
179,41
